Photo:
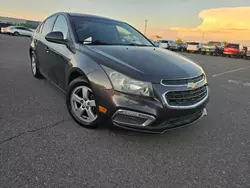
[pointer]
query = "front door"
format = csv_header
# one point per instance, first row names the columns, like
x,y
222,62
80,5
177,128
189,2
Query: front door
x,y
59,54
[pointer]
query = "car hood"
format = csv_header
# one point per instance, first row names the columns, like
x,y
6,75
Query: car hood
x,y
148,63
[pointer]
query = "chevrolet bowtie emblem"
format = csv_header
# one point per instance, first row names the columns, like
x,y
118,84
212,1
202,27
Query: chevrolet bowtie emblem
x,y
192,85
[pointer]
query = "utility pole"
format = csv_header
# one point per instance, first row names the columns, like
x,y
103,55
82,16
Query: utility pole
x,y
202,37
146,24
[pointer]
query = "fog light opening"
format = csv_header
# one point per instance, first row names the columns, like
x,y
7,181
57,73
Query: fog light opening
x,y
131,118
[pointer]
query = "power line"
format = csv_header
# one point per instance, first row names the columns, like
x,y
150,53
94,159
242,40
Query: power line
x,y
146,24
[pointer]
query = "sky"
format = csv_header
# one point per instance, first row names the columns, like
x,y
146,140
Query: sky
x,y
226,20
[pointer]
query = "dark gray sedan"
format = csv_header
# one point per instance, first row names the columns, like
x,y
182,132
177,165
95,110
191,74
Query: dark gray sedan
x,y
110,72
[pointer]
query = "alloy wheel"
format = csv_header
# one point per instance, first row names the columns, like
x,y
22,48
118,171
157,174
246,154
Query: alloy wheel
x,y
83,105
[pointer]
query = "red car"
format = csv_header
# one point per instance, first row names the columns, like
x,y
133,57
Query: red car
x,y
233,50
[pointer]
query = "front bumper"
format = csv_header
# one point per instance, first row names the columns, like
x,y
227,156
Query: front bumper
x,y
207,50
231,53
148,114
192,50
174,48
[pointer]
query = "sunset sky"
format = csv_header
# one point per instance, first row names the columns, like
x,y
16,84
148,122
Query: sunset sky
x,y
187,19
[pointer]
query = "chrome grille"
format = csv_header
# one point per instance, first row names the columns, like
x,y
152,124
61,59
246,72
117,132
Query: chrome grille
x,y
183,81
186,98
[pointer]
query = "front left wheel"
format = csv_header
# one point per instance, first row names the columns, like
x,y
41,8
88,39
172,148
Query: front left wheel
x,y
81,103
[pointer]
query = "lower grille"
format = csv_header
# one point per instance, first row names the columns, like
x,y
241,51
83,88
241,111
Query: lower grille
x,y
185,120
186,98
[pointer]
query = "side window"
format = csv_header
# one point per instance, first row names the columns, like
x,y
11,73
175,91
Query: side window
x,y
27,29
48,24
61,25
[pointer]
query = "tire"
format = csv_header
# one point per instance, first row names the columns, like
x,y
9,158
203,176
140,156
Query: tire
x,y
16,33
34,68
81,104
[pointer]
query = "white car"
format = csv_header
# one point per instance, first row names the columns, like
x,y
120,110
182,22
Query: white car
x,y
194,47
19,30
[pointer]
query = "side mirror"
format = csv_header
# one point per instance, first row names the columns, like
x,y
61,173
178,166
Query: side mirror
x,y
56,37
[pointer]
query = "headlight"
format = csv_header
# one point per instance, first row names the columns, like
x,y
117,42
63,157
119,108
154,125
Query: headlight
x,y
125,84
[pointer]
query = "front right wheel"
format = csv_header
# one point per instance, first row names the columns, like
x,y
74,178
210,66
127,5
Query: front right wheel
x,y
81,103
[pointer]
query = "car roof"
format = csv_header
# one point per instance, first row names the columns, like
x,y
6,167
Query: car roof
x,y
86,16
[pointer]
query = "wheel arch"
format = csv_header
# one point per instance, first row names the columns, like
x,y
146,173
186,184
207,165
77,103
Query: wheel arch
x,y
75,73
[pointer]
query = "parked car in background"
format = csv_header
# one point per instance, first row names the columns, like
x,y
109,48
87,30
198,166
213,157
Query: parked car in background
x,y
213,48
182,47
233,50
3,27
174,46
19,30
244,50
247,53
156,43
194,47
165,43
124,81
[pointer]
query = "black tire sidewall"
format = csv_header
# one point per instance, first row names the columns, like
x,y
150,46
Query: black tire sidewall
x,y
38,74
75,83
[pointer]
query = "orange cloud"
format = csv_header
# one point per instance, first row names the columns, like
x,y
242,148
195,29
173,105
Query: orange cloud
x,y
220,24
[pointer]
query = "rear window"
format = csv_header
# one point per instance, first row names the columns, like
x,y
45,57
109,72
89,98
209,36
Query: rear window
x,y
193,43
232,46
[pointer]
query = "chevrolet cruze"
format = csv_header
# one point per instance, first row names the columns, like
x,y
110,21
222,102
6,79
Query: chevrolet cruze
x,y
110,71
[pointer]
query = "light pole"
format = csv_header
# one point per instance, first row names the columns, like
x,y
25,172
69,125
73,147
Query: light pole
x,y
202,37
146,24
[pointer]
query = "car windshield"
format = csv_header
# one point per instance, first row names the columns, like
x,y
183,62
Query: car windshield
x,y
213,44
232,46
107,32
193,43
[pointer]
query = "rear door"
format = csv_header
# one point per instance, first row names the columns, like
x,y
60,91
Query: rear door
x,y
43,46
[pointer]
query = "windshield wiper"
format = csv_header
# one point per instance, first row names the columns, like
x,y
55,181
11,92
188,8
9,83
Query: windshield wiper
x,y
98,42
134,44
95,42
